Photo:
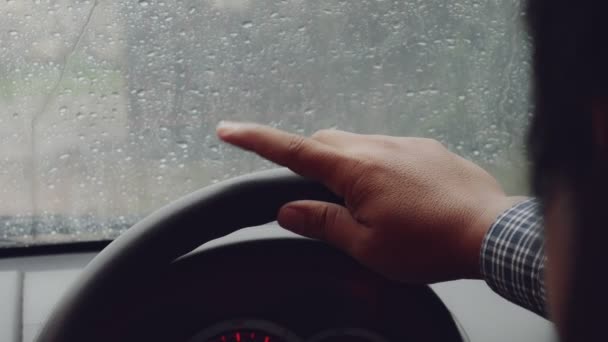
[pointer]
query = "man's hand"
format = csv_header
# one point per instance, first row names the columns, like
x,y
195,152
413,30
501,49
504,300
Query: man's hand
x,y
414,211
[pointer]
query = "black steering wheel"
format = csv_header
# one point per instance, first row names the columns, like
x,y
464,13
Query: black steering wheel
x,y
169,233
130,261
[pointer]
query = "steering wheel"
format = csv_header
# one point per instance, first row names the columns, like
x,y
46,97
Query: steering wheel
x,y
167,234
129,265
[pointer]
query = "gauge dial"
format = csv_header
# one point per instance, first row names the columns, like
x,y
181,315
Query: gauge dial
x,y
245,335
245,331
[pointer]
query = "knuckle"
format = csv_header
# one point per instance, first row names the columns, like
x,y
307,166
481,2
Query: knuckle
x,y
415,141
322,134
356,191
328,217
387,142
433,143
422,144
295,145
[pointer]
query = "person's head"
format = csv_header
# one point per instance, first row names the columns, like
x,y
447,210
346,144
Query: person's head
x,y
568,145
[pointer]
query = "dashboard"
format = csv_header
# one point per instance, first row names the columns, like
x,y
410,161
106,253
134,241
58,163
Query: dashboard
x,y
265,285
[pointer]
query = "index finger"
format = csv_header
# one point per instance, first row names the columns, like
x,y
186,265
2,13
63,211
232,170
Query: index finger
x,y
307,157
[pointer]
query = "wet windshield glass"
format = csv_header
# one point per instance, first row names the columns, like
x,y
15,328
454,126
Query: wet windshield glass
x,y
108,108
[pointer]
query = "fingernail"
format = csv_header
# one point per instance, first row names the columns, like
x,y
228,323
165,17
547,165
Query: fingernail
x,y
225,128
294,219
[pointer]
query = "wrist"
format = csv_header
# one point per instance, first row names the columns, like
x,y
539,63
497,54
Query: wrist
x,y
473,241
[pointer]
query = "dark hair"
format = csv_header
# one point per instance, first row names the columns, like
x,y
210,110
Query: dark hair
x,y
570,66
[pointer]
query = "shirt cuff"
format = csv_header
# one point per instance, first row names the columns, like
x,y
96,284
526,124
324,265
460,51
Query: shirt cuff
x,y
512,258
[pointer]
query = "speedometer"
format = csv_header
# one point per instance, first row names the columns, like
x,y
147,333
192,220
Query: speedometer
x,y
245,331
245,335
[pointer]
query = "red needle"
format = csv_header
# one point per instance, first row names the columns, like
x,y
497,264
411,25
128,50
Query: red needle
x,y
238,337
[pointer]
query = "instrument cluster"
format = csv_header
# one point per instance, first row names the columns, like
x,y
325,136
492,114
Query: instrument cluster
x,y
265,331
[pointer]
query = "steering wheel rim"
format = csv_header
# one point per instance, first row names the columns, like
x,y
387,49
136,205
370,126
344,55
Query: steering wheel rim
x,y
169,233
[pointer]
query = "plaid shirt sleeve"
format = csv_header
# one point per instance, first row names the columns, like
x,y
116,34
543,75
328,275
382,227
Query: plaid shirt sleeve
x,y
513,256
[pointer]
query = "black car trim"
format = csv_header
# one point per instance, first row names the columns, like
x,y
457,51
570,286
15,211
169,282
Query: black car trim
x,y
56,248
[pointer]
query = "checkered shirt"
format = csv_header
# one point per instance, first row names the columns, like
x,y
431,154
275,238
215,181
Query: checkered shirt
x,y
513,256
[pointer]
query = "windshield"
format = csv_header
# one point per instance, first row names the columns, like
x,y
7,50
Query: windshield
x,y
108,108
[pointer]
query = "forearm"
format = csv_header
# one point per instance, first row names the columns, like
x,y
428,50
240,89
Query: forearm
x,y
513,256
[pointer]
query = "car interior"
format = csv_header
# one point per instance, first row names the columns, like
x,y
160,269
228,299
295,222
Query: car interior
x,y
124,218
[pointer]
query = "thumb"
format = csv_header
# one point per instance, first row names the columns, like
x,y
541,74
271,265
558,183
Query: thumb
x,y
324,221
